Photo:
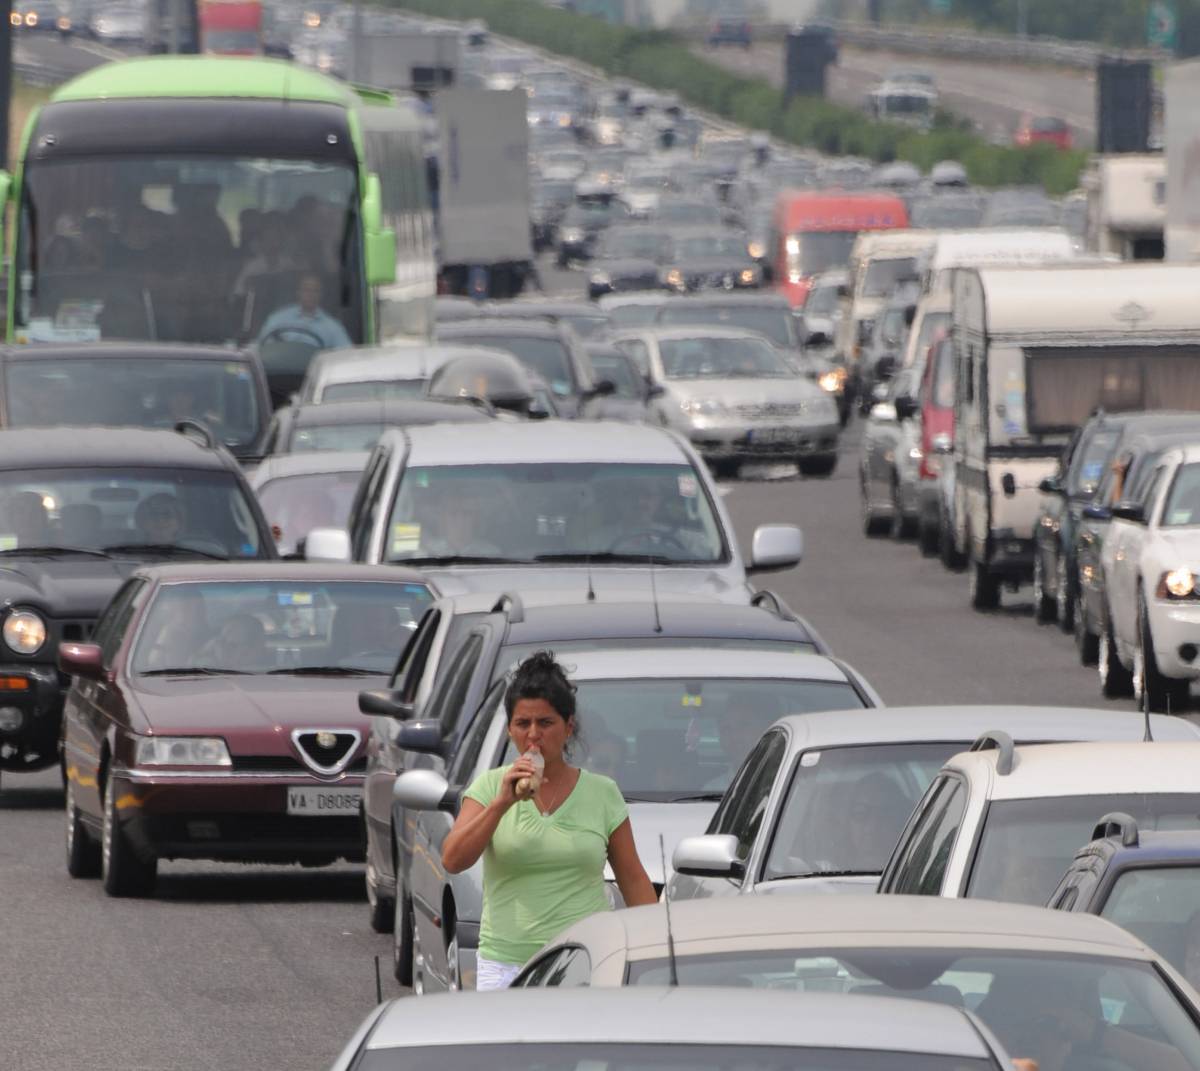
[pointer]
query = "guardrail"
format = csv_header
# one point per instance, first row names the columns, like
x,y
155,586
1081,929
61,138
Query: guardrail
x,y
1079,55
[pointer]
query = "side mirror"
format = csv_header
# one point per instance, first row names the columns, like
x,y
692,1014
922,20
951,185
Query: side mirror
x,y
774,547
816,338
1093,511
81,660
710,856
425,737
1051,485
423,790
384,704
327,545
1129,511
906,406
883,412
655,390
602,389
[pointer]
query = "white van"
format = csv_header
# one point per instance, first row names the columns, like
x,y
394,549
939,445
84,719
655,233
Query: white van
x,y
957,250
1127,205
1037,352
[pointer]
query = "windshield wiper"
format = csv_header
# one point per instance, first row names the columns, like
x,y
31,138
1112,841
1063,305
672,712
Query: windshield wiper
x,y
173,550
608,557
827,874
459,559
48,551
327,671
698,797
192,671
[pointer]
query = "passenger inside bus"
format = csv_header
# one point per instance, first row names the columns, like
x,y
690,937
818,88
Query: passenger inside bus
x,y
306,318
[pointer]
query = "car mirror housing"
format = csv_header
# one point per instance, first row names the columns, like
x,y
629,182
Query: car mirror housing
x,y
906,406
327,545
1129,511
423,790
1051,485
816,338
1093,511
84,660
710,856
384,704
775,546
425,737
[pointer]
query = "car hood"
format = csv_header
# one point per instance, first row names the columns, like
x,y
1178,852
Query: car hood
x,y
63,587
818,886
625,266
672,822
1180,547
255,714
721,581
735,392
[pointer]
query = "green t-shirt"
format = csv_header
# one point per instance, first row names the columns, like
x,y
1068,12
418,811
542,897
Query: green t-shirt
x,y
543,873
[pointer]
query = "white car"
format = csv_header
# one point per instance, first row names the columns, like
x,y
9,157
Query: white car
x,y
1001,822
1151,563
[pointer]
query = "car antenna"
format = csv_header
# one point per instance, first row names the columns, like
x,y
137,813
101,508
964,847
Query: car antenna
x,y
591,592
666,899
1148,738
654,594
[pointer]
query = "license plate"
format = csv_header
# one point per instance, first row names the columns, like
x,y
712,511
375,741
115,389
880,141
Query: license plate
x,y
774,435
324,802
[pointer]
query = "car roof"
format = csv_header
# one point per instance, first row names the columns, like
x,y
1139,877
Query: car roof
x,y
382,362
704,662
300,572
563,441
529,326
160,351
608,302
850,919
389,410
93,447
1088,769
1153,846
645,619
698,1015
307,463
952,722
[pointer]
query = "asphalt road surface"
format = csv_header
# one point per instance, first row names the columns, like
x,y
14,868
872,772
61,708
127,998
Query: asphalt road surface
x,y
993,96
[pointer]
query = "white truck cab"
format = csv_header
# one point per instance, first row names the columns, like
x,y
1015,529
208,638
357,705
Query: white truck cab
x,y
955,251
1127,205
1037,352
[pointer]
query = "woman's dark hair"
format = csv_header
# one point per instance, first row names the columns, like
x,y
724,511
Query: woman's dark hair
x,y
540,677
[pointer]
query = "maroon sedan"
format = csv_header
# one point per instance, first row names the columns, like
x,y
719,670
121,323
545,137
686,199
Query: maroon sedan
x,y
215,715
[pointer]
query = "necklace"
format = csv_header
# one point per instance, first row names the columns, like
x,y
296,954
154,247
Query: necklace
x,y
547,809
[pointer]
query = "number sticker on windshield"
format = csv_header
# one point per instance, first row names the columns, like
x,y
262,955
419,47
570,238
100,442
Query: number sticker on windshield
x,y
406,538
687,486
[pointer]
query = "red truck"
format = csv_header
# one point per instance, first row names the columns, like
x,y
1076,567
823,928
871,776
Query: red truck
x,y
231,27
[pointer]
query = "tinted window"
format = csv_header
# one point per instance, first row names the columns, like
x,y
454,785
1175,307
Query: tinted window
x,y
751,808
932,843
446,703
846,806
619,371
1161,906
110,630
472,742
572,969
1027,844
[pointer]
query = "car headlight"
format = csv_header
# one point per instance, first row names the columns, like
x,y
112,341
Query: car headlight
x,y
702,406
64,23
748,276
182,751
15,18
24,631
1177,584
832,381
564,120
31,19
674,278
572,234
756,250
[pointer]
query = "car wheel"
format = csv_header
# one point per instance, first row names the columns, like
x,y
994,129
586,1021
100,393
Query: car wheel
x,y
902,527
928,538
1064,596
1043,605
1087,643
872,524
725,469
1116,682
123,872
83,853
381,910
985,588
822,465
452,972
402,941
1162,694
951,557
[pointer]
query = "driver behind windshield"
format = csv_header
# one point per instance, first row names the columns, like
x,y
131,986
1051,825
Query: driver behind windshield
x,y
645,518
740,723
455,522
306,319
160,519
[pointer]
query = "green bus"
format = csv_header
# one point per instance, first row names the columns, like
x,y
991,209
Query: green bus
x,y
207,199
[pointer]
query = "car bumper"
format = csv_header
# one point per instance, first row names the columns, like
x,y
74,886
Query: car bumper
x,y
235,816
1010,556
36,692
765,440
1175,627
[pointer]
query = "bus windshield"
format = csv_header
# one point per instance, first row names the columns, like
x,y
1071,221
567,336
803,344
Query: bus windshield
x,y
190,249
811,252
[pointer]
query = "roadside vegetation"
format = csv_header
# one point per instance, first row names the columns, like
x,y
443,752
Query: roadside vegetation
x,y
656,58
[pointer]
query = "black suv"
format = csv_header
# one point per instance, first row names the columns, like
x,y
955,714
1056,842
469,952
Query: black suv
x,y
80,509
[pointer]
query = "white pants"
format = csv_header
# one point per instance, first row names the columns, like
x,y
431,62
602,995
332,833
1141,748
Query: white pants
x,y
492,975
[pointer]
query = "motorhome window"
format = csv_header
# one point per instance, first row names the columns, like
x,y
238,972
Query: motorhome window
x,y
883,275
1065,386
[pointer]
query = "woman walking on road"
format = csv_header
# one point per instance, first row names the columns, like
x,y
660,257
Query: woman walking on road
x,y
543,851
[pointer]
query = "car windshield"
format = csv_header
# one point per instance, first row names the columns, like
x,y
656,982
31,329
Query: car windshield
x,y
646,245
361,435
846,807
116,391
1045,1007
619,372
721,358
615,1056
285,626
203,510
670,740
1182,506
548,357
99,239
883,275
822,300
555,511
1158,905
709,246
1027,844
364,390
816,251
295,505
776,323
1089,465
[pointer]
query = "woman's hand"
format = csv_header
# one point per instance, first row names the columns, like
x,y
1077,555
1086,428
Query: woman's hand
x,y
508,794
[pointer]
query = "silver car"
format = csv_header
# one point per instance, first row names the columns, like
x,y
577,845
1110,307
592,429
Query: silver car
x,y
300,492
365,373
669,725
820,802
666,1029
573,505
735,397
